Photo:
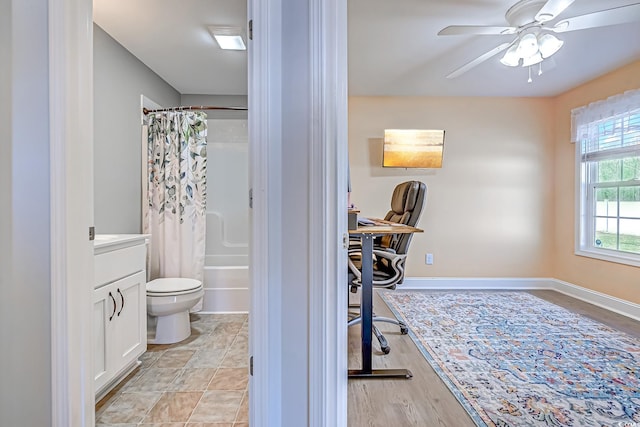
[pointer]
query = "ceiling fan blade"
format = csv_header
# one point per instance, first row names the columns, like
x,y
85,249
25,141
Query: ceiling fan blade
x,y
456,30
551,9
480,59
615,16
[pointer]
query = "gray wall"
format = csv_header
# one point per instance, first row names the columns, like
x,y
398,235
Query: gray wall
x,y
25,313
119,80
5,147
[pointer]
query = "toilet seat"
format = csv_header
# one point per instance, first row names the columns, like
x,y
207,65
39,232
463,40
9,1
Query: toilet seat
x,y
172,286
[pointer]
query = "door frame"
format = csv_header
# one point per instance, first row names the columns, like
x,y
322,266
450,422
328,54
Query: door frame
x,y
71,209
71,117
326,320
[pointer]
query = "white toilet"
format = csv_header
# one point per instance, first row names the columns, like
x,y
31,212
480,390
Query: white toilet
x,y
168,303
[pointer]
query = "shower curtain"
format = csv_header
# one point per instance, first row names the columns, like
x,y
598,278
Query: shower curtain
x,y
175,217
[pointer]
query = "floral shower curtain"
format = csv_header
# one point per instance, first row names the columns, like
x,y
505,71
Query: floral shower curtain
x,y
177,188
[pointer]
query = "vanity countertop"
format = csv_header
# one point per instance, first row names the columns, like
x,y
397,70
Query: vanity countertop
x,y
109,242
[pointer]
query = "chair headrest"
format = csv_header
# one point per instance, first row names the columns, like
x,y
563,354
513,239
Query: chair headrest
x,y
407,202
405,197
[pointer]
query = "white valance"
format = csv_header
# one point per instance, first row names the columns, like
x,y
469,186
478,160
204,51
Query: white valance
x,y
599,110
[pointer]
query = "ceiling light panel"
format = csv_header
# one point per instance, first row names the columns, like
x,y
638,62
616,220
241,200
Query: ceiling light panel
x,y
228,38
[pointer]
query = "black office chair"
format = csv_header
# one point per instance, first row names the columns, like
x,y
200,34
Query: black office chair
x,y
390,252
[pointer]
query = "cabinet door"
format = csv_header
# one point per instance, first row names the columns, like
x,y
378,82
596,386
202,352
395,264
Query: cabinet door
x,y
130,322
104,310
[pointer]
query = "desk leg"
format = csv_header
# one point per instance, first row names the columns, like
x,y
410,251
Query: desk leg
x,y
366,300
366,313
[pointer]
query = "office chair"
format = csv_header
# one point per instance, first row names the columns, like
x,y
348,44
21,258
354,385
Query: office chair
x,y
390,252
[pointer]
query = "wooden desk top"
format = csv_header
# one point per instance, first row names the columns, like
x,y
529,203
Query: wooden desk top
x,y
384,227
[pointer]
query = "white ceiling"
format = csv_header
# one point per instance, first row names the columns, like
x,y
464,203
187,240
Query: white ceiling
x,y
393,46
171,38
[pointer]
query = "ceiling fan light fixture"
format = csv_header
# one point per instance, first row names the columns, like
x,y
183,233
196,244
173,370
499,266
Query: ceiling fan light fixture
x,y
549,44
511,57
532,60
528,45
531,48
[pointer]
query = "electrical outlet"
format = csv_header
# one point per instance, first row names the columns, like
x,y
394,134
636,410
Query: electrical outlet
x,y
428,259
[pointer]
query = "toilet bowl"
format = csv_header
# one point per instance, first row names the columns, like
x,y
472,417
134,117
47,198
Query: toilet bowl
x,y
168,303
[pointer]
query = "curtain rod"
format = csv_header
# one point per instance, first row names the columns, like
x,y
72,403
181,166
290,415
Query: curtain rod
x,y
193,107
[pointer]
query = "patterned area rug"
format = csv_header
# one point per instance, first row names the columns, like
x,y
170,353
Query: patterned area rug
x,y
513,359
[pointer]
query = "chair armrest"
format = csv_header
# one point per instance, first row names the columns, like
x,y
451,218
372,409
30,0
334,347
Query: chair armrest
x,y
396,264
389,254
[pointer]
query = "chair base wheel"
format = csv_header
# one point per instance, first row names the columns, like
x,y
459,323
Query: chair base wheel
x,y
384,345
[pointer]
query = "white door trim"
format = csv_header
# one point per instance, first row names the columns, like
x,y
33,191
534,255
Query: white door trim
x,y
328,203
327,184
264,118
71,208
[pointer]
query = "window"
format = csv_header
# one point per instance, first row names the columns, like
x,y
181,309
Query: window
x,y
607,136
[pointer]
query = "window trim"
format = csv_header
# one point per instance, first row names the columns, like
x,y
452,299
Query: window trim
x,y
584,216
616,257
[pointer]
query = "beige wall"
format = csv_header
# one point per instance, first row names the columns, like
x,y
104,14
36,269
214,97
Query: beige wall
x,y
610,278
489,210
503,203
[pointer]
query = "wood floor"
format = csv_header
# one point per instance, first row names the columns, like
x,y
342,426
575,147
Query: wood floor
x,y
425,400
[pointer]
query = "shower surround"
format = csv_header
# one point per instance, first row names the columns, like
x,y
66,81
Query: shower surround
x,y
226,271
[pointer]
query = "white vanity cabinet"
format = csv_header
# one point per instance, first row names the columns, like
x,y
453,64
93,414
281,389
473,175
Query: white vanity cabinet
x,y
119,308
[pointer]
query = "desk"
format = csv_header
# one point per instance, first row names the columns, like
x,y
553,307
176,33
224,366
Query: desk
x,y
367,234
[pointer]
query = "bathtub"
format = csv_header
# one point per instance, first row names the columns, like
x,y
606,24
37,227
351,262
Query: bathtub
x,y
226,284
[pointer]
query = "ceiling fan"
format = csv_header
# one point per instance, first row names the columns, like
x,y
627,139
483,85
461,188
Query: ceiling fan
x,y
534,23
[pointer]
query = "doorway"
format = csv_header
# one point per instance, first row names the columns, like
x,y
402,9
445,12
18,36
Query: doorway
x,y
127,77
324,186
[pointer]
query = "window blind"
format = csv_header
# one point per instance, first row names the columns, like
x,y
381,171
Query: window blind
x,y
618,105
612,137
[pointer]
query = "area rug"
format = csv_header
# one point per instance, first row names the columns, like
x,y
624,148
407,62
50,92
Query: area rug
x,y
513,359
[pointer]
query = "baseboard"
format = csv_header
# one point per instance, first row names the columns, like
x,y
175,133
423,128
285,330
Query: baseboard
x,y
477,283
617,305
225,300
100,394
608,302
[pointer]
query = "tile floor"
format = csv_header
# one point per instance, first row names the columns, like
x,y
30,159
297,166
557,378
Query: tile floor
x,y
199,382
